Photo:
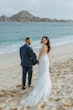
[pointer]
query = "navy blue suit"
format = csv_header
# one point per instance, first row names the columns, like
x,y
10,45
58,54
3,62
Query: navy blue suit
x,y
28,59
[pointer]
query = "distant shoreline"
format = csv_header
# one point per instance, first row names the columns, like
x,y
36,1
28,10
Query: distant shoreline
x,y
31,22
25,16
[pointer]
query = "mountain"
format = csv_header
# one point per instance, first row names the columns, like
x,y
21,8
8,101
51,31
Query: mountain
x,y
22,16
25,16
4,18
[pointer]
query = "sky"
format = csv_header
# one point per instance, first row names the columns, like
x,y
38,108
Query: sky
x,y
60,9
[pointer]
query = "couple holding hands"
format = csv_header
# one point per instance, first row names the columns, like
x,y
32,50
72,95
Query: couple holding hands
x,y
43,85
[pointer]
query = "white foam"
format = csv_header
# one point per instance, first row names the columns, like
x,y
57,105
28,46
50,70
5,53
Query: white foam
x,y
35,44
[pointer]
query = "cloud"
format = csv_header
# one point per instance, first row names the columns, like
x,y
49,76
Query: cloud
x,y
42,8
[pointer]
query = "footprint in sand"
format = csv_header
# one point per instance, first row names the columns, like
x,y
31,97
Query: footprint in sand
x,y
42,106
18,86
2,94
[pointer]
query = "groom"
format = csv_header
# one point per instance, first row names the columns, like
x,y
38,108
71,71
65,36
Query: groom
x,y
28,59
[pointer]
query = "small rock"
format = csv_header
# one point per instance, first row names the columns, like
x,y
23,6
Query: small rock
x,y
58,99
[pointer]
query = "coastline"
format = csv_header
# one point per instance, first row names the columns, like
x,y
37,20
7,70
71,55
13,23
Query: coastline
x,y
61,64
58,53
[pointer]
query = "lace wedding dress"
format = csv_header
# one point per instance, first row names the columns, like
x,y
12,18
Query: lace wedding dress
x,y
42,87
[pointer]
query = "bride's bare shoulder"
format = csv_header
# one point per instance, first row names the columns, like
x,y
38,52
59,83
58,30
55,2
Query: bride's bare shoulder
x,y
44,46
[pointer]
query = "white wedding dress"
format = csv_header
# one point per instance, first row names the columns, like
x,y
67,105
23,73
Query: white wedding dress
x,y
42,87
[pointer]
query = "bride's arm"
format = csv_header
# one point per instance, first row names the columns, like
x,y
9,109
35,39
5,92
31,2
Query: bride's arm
x,y
42,50
49,55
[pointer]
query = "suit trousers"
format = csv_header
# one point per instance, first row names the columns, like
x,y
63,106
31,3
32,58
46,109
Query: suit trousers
x,y
26,70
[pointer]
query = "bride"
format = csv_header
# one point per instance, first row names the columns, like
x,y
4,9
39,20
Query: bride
x,y
42,87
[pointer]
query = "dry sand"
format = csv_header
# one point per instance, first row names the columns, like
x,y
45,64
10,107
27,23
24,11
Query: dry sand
x,y
61,71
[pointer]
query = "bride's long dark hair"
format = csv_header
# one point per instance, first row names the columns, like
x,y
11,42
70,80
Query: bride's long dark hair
x,y
48,42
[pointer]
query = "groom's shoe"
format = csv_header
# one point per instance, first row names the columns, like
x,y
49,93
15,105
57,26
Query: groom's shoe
x,y
29,86
23,87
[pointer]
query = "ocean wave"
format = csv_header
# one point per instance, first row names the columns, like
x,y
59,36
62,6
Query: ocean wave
x,y
36,45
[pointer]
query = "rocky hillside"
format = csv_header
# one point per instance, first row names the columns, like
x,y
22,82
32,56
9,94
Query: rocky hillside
x,y
25,16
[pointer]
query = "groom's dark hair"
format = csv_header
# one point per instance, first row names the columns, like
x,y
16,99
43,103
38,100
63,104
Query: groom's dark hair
x,y
27,38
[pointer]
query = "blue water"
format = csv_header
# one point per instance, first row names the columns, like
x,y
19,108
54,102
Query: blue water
x,y
12,34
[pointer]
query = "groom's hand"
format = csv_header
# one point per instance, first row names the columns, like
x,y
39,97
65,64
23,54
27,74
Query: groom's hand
x,y
37,62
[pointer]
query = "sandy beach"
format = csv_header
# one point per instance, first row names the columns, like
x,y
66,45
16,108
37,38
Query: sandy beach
x,y
61,72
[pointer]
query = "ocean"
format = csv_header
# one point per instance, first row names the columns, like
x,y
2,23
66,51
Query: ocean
x,y
12,34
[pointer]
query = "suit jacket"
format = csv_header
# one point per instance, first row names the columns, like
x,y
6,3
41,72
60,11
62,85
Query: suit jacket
x,y
28,57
